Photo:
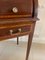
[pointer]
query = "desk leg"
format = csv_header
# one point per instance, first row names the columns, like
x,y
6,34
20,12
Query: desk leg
x,y
17,40
30,41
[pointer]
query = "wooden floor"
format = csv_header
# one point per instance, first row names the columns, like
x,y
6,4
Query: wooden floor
x,y
10,51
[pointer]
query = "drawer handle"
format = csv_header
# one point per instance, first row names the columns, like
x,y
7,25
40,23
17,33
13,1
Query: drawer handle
x,y
15,9
11,32
19,30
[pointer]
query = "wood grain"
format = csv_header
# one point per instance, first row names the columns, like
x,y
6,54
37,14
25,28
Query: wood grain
x,y
25,19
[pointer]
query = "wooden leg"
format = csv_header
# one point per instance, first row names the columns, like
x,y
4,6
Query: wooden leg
x,y
30,42
28,47
17,40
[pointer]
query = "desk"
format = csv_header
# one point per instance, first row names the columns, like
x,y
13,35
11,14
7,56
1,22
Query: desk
x,y
18,18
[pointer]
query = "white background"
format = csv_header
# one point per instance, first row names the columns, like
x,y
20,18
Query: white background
x,y
39,35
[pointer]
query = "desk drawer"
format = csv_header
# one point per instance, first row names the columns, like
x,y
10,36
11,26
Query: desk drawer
x,y
14,32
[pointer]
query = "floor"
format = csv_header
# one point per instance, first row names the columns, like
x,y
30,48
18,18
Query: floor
x,y
10,51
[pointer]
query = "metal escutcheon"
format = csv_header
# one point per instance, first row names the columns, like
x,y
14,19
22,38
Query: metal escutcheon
x,y
15,9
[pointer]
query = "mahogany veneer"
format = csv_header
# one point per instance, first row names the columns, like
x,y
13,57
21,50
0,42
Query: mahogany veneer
x,y
18,18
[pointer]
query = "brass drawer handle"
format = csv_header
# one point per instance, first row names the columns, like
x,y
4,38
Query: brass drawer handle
x,y
11,32
19,30
15,9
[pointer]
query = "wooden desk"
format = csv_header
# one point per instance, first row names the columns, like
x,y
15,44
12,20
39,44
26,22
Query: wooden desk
x,y
18,18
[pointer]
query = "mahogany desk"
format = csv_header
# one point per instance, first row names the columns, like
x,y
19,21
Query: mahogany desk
x,y
18,18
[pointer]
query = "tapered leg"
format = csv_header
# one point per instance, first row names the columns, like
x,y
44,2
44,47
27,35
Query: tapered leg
x,y
17,40
30,41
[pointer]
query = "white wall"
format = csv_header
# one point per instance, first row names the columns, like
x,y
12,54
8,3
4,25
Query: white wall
x,y
39,35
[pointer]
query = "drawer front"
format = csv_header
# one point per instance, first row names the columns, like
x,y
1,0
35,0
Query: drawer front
x,y
6,32
16,6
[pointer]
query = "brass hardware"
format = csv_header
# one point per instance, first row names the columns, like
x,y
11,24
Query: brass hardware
x,y
11,32
19,29
15,10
